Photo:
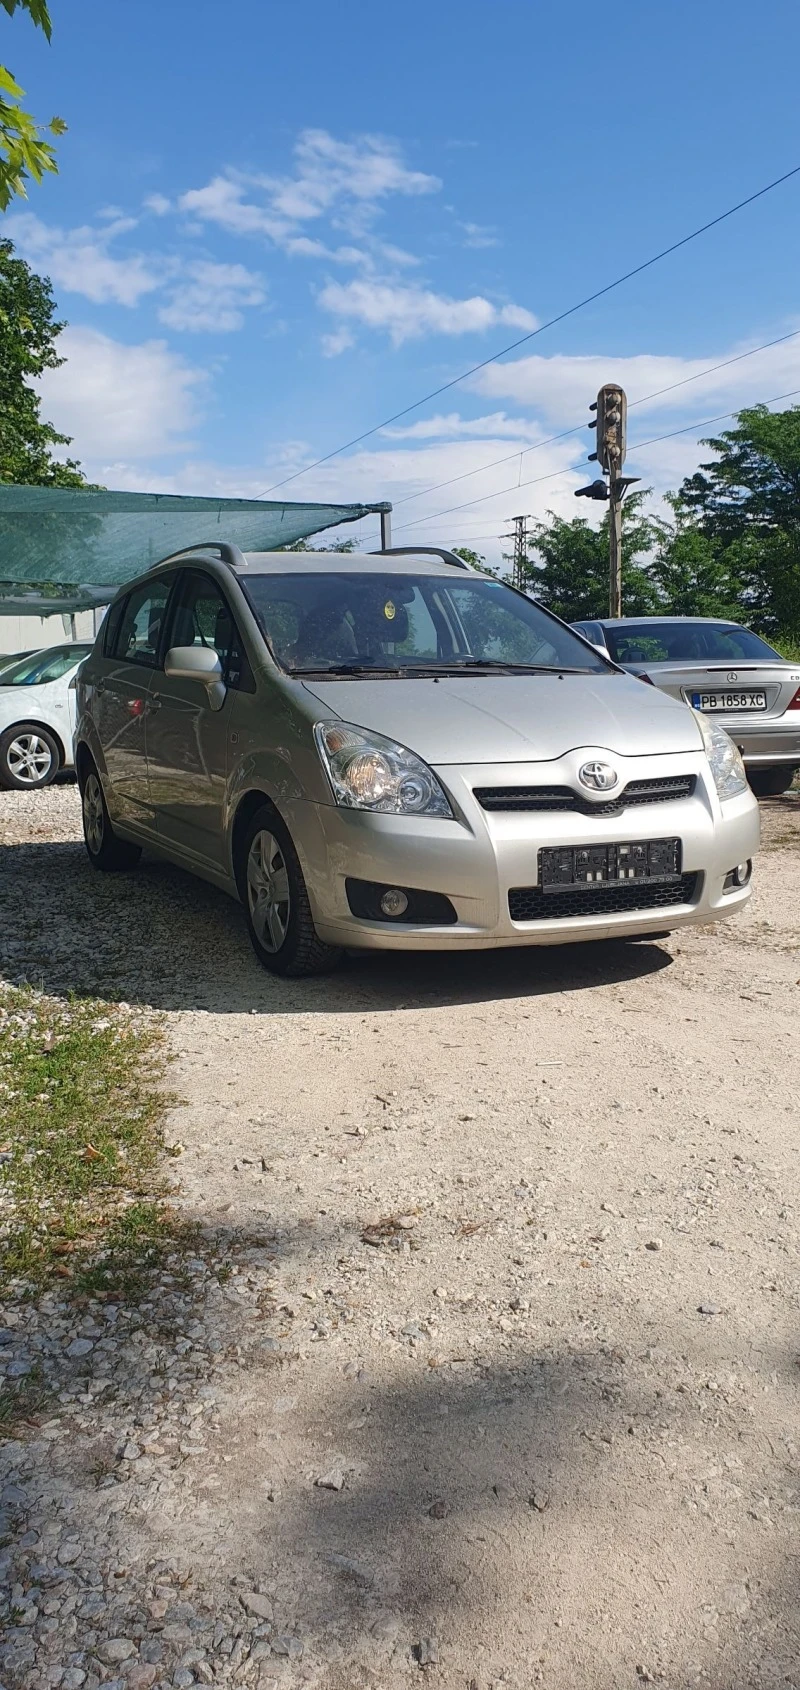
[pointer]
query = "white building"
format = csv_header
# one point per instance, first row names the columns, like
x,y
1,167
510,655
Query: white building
x,y
28,633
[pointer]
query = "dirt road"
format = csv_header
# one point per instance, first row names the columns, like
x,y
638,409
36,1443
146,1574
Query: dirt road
x,y
505,1378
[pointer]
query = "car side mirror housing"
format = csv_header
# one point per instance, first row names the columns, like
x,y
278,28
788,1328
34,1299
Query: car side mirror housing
x,y
197,663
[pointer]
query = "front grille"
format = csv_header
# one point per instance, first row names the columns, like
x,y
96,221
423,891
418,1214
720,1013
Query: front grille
x,y
659,791
530,903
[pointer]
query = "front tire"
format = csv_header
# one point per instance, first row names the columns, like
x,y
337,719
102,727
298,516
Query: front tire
x,y
29,758
106,851
770,783
276,903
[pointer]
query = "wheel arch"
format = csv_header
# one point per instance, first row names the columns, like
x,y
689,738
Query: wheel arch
x,y
247,807
41,727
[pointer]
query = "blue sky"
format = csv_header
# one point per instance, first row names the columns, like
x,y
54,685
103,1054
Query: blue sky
x,y
275,226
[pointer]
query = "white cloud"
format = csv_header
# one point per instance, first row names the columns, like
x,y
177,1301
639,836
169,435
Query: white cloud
x,y
348,178
132,401
222,201
329,171
406,313
562,387
212,298
452,425
79,260
159,204
339,341
478,235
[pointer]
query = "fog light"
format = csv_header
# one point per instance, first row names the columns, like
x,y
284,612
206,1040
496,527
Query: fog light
x,y
394,902
742,873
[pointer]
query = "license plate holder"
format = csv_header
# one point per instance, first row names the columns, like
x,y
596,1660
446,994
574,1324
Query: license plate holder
x,y
722,702
657,862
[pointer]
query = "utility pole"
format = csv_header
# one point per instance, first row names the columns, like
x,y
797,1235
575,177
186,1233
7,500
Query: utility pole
x,y
614,548
611,406
519,566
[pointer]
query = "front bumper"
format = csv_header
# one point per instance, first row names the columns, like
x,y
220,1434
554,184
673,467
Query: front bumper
x,y
479,858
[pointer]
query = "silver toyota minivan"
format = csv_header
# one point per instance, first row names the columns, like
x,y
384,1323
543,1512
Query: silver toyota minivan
x,y
394,751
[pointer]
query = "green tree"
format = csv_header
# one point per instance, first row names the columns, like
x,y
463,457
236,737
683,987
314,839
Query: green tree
x,y
341,546
475,560
28,334
747,501
568,565
695,573
25,150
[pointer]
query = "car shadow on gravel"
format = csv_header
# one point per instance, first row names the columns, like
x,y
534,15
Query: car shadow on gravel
x,y
545,1517
514,1518
161,937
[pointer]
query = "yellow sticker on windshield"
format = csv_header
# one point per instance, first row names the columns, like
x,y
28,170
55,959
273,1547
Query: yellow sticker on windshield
x,y
389,610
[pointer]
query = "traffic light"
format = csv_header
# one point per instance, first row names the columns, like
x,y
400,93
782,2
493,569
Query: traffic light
x,y
612,411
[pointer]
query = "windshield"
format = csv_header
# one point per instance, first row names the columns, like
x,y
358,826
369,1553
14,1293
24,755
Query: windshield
x,y
685,642
39,667
407,624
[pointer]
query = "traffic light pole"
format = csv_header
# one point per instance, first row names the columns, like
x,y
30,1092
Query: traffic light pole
x,y
611,406
614,546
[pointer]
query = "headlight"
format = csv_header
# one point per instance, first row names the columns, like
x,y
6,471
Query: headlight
x,y
368,772
724,757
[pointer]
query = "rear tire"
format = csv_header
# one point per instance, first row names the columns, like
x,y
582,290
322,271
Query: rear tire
x,y
276,904
30,758
770,783
105,849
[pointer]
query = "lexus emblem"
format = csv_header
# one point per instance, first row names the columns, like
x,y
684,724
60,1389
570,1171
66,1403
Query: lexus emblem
x,y
599,777
733,676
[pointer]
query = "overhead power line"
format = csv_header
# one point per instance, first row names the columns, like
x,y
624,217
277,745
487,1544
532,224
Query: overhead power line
x,y
513,457
556,474
561,317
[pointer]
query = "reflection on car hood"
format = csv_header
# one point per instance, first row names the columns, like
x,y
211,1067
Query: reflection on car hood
x,y
514,718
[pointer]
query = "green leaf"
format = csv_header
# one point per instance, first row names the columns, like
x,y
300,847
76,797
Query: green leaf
x,y
9,86
37,11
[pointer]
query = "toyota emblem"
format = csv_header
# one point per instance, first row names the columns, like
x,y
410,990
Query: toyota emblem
x,y
599,777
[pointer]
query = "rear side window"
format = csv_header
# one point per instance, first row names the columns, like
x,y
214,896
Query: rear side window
x,y
111,626
138,634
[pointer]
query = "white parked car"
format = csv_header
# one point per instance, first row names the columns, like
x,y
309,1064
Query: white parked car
x,y
37,716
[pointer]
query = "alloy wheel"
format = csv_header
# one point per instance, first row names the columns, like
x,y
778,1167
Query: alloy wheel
x,y
29,759
93,818
268,894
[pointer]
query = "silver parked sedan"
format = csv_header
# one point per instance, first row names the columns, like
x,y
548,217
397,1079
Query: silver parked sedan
x,y
395,752
724,670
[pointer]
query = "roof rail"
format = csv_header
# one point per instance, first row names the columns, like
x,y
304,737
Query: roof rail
x,y
426,551
228,553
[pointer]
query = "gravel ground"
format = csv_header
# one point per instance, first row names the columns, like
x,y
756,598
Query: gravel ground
x,y
502,1387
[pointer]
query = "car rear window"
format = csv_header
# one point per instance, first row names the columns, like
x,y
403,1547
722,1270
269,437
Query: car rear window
x,y
685,642
43,666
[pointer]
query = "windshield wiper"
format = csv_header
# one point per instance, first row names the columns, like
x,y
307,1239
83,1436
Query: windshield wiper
x,y
351,669
498,665
453,666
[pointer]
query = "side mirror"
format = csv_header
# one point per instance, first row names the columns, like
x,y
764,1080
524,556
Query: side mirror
x,y
197,663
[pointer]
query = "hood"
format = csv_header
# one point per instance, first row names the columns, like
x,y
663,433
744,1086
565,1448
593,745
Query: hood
x,y
514,718
18,702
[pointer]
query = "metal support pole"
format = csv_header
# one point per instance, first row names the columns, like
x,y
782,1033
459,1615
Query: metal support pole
x,y
386,530
519,562
614,546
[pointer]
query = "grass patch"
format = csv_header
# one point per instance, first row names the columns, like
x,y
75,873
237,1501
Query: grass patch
x,y
22,1402
81,1107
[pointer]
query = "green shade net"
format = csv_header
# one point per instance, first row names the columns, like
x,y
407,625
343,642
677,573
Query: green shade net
x,y
66,549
